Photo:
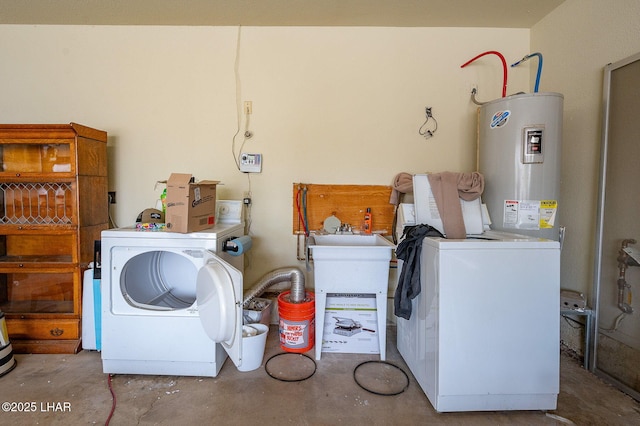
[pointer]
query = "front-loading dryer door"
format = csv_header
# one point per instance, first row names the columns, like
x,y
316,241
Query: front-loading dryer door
x,y
219,299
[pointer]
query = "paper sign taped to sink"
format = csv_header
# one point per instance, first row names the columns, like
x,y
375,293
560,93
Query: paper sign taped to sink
x,y
351,324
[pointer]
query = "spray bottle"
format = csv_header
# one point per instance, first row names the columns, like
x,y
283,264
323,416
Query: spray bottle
x,y
163,200
367,221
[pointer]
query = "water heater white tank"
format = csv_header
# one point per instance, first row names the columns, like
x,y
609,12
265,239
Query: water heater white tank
x,y
519,139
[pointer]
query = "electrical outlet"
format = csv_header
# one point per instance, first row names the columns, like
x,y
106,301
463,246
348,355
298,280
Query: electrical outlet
x,y
112,197
246,200
248,107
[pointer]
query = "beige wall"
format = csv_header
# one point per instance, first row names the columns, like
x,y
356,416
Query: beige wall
x,y
577,40
330,105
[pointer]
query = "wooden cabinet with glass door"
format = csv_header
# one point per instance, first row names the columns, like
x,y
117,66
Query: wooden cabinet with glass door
x,y
53,206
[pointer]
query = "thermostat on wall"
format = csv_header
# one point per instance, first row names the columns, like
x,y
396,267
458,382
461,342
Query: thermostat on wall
x,y
250,163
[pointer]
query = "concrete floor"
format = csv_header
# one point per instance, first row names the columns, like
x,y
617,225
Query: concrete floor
x,y
72,390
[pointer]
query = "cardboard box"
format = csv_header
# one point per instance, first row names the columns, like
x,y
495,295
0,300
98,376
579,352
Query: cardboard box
x,y
351,324
190,206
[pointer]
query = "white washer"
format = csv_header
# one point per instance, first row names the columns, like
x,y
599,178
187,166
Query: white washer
x,y
171,302
484,330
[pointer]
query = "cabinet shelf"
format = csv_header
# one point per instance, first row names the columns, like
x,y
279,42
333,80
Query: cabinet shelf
x,y
37,307
36,261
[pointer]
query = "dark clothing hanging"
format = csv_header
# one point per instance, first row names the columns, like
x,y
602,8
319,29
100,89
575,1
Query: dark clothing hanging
x,y
409,251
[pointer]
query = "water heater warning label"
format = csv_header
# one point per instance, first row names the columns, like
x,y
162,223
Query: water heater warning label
x,y
548,209
530,214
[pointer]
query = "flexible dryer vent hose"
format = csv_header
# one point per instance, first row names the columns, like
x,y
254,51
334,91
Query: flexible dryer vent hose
x,y
292,274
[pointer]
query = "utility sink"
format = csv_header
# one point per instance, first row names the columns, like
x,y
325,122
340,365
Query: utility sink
x,y
355,264
350,247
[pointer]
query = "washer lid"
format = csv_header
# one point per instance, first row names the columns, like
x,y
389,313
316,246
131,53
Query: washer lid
x,y
219,300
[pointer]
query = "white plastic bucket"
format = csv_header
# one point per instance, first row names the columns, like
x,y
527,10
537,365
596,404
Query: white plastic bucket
x,y
253,346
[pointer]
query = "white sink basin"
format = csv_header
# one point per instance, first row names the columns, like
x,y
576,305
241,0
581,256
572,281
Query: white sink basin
x,y
351,240
351,247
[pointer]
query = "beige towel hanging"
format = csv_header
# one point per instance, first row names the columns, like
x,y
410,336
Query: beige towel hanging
x,y
447,189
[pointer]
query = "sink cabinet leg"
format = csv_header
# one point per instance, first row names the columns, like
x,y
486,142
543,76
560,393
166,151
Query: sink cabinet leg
x,y
321,303
381,308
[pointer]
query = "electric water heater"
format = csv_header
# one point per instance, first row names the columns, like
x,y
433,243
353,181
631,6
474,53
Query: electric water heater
x,y
519,139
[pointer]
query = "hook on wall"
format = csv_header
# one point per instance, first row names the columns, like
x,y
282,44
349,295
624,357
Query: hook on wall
x,y
423,130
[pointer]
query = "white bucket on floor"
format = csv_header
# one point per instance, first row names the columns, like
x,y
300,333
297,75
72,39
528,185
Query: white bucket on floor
x,y
254,341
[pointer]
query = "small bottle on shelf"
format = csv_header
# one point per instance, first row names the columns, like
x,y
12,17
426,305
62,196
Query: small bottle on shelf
x,y
367,221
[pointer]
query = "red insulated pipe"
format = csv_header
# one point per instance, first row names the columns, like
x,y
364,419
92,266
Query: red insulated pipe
x,y
504,68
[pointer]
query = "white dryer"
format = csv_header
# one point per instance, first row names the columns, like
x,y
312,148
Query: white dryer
x,y
171,302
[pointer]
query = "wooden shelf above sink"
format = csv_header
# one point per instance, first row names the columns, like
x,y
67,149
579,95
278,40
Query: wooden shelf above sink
x,y
347,202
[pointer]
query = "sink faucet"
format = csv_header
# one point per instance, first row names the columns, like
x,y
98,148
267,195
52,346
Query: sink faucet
x,y
345,228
